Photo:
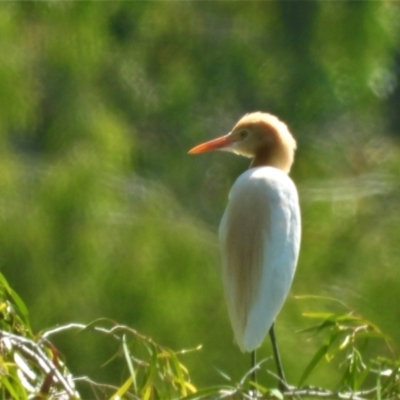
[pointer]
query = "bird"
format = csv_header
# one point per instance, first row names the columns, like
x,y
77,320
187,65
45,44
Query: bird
x,y
260,230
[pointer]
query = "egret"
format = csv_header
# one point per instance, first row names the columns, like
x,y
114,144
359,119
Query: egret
x,y
260,230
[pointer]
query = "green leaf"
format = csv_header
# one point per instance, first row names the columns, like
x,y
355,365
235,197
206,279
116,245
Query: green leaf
x,y
314,362
122,390
318,315
256,385
179,373
223,374
11,389
129,362
361,377
147,389
275,393
315,297
373,335
345,342
18,302
211,391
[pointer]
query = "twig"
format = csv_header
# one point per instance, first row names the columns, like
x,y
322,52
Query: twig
x,y
311,391
33,351
106,386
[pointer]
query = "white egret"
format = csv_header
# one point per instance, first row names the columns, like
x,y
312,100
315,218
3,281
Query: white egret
x,y
260,229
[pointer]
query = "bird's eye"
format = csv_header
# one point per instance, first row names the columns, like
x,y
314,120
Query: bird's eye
x,y
243,134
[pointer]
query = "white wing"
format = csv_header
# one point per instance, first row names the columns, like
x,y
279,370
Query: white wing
x,y
260,239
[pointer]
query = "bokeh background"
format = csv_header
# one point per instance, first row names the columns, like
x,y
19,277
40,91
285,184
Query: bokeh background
x,y
103,213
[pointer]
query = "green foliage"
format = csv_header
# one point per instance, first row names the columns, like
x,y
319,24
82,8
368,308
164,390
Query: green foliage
x,y
31,366
102,212
14,317
347,340
151,371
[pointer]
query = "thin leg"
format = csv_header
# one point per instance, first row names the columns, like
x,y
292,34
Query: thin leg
x,y
282,379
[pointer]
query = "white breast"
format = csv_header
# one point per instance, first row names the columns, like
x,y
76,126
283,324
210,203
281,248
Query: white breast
x,y
260,240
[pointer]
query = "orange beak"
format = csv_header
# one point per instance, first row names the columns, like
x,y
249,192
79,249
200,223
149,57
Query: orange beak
x,y
215,144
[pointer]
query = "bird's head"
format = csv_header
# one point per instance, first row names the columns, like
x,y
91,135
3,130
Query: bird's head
x,y
260,136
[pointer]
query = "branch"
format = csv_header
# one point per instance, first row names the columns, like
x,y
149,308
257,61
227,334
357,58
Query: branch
x,y
106,386
33,351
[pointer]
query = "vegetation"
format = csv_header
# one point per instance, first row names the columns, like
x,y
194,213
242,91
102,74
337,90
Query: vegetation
x,y
105,218
32,368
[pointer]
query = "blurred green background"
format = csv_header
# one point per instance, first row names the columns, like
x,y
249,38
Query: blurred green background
x,y
103,213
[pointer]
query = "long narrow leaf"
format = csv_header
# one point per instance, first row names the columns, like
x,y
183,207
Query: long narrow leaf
x,y
122,390
19,302
179,373
205,393
314,362
147,389
129,362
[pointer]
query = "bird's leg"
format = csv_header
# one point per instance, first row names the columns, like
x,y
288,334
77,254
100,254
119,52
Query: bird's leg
x,y
253,376
282,380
